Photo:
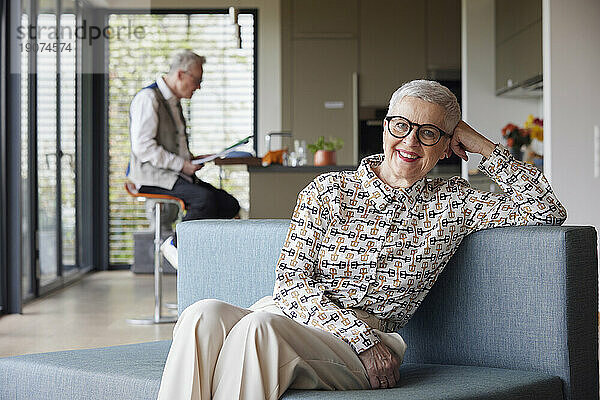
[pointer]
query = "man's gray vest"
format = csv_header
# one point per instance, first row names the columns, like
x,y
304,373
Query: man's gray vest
x,y
144,173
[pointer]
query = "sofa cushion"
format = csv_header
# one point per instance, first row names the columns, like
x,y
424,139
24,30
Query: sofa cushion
x,y
134,372
119,372
453,382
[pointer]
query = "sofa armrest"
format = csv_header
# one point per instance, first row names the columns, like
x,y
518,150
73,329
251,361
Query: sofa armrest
x,y
519,298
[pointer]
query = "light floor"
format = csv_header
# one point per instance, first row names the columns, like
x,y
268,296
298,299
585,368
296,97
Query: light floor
x,y
89,313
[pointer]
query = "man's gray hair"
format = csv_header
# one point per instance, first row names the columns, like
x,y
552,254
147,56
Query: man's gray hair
x,y
184,59
433,92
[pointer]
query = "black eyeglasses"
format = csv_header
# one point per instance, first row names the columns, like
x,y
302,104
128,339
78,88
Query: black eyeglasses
x,y
427,134
198,81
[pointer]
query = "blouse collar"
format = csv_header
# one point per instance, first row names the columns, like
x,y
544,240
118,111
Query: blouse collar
x,y
380,192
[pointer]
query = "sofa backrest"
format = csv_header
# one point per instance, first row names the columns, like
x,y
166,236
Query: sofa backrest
x,y
522,298
518,298
229,260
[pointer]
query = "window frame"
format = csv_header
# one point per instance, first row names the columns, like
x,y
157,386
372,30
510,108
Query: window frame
x,y
3,166
12,202
10,159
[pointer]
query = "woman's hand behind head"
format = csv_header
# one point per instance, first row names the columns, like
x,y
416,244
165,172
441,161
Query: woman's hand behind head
x,y
466,139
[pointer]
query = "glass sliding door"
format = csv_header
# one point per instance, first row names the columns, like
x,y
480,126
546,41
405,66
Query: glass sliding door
x,y
67,133
3,246
27,275
48,188
49,143
49,136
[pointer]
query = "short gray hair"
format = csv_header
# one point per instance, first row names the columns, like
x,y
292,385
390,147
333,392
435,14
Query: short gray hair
x,y
433,92
184,59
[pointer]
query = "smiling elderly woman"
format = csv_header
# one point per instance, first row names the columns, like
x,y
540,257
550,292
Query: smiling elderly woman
x,y
363,249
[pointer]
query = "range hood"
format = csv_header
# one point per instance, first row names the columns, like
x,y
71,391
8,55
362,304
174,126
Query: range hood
x,y
532,88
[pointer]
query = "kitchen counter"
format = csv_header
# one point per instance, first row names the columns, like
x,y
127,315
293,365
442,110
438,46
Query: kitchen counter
x,y
437,171
274,189
304,169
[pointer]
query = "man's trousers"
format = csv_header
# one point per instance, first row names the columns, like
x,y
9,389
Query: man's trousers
x,y
202,200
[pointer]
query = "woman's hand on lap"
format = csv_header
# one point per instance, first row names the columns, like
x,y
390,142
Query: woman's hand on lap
x,y
468,139
382,366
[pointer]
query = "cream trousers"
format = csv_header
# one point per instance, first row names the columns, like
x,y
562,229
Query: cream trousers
x,y
224,352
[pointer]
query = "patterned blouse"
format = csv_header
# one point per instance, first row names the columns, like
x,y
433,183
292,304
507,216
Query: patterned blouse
x,y
355,242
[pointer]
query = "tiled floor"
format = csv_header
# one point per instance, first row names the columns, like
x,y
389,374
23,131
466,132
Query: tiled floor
x,y
90,313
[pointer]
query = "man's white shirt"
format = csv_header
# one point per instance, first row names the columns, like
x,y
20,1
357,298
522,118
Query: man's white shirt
x,y
144,125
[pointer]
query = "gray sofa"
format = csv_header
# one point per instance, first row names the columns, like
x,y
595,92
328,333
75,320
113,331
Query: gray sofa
x,y
513,316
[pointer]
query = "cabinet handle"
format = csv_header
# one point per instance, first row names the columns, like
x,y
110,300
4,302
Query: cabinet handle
x,y
355,117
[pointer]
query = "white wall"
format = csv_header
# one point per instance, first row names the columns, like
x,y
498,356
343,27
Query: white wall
x,y
571,104
571,32
269,50
481,108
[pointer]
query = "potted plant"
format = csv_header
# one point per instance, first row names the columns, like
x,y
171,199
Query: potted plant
x,y
325,150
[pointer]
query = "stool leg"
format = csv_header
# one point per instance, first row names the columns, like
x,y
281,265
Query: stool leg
x,y
173,306
158,318
157,266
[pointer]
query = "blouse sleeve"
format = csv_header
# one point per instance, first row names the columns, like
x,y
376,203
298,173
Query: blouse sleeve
x,y
297,291
528,198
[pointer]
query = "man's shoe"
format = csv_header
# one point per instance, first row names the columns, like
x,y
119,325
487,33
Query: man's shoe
x,y
169,251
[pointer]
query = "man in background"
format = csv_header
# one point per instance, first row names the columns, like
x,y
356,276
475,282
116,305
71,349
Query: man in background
x,y
160,160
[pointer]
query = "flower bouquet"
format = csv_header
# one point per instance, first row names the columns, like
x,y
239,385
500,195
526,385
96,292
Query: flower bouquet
x,y
526,140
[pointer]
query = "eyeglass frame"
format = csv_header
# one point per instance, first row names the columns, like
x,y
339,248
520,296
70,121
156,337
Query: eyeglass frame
x,y
411,124
198,81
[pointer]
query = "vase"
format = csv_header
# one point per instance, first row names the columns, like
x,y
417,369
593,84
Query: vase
x,y
324,157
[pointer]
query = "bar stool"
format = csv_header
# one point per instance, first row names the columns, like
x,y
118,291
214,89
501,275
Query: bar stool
x,y
158,269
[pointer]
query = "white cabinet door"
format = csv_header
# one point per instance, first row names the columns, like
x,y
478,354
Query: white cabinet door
x,y
392,46
323,92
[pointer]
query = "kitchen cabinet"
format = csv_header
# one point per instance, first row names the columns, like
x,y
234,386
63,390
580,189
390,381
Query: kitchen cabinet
x,y
320,58
385,42
323,99
513,16
268,200
324,18
518,28
392,47
442,19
